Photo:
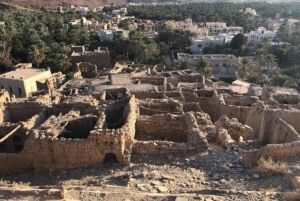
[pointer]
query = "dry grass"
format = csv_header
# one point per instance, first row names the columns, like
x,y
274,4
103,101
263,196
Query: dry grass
x,y
3,183
268,167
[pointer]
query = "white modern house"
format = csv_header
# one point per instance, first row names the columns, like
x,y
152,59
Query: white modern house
x,y
108,34
198,45
258,35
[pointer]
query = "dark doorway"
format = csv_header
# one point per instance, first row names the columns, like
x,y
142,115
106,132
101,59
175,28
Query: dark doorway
x,y
110,158
238,104
18,144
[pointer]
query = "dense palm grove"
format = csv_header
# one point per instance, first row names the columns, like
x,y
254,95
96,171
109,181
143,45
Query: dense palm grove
x,y
44,38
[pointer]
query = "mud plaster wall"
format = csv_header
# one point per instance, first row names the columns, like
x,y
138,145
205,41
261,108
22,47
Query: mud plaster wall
x,y
291,117
173,80
232,111
21,111
150,112
37,119
160,147
208,105
176,95
254,117
64,108
239,101
4,96
188,107
52,154
150,94
150,108
161,127
13,143
4,114
195,136
283,132
158,81
274,130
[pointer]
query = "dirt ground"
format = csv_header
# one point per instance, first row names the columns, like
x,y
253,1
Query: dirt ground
x,y
215,175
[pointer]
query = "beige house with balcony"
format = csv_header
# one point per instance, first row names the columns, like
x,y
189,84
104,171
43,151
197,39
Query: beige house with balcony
x,y
188,25
221,27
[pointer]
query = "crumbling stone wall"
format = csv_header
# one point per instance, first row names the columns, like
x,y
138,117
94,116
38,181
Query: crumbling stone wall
x,y
275,130
234,128
188,107
195,138
4,113
284,138
36,120
160,82
207,104
238,112
161,147
240,100
14,136
116,94
275,151
165,127
205,125
254,117
283,132
87,69
47,152
176,95
291,117
149,94
159,107
64,108
21,111
4,96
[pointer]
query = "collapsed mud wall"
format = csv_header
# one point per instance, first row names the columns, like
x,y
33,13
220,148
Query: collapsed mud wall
x,y
284,138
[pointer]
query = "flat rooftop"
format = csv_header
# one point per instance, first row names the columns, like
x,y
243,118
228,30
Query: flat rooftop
x,y
23,74
120,79
129,87
207,56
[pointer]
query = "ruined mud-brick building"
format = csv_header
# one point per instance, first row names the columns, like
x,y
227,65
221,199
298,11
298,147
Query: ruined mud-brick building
x,y
99,57
141,109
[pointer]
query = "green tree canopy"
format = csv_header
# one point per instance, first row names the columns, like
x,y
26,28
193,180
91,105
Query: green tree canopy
x,y
239,41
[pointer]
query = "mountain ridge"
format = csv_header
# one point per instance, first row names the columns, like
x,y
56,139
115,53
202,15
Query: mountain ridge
x,y
57,2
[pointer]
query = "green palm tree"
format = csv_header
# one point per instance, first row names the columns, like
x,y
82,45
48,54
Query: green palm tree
x,y
265,59
203,66
257,79
64,63
243,67
36,55
186,64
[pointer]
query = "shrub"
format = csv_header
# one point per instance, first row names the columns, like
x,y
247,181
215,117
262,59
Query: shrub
x,y
268,167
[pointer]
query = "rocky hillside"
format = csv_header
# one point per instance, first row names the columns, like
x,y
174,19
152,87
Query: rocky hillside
x,y
59,2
